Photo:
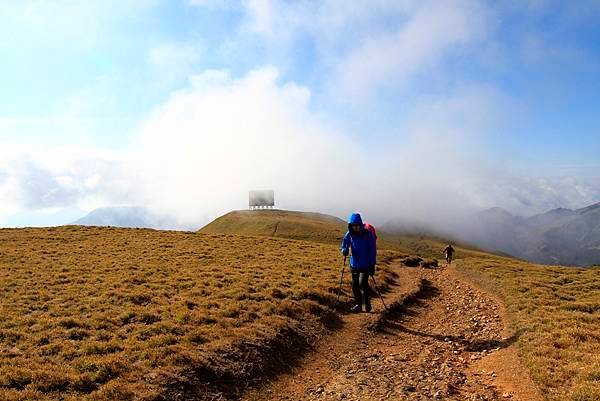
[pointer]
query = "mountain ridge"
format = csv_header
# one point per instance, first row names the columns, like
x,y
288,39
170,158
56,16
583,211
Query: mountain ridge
x,y
558,236
127,217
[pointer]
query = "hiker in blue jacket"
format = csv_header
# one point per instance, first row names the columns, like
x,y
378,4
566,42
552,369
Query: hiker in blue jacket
x,y
362,261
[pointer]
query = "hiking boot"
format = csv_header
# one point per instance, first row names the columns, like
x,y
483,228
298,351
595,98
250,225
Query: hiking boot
x,y
356,309
368,308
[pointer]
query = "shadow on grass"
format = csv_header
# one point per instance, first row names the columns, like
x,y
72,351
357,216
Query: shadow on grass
x,y
476,345
228,373
331,319
400,307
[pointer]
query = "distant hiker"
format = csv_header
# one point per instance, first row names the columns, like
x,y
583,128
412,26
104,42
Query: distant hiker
x,y
448,251
362,261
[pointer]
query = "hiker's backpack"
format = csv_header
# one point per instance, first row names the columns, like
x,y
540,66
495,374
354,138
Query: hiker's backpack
x,y
372,231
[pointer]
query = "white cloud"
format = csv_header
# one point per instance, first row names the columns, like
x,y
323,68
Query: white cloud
x,y
464,116
52,24
169,54
328,21
416,47
212,3
174,62
364,46
198,154
528,195
38,178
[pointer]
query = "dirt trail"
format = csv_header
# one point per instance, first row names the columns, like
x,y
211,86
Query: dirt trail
x,y
450,343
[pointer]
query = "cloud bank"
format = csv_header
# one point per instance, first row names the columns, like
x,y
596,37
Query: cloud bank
x,y
196,156
313,139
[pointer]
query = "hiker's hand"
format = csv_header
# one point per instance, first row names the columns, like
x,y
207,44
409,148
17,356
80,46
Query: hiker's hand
x,y
372,270
346,252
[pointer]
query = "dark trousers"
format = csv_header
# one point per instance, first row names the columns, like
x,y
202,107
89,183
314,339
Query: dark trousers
x,y
360,281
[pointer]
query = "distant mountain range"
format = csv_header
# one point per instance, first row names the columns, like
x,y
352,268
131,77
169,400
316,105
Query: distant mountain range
x,y
560,236
127,216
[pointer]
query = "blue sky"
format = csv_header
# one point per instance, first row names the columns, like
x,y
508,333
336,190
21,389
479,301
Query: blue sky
x,y
506,94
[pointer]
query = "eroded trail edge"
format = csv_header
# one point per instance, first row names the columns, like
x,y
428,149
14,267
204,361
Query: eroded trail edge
x,y
442,338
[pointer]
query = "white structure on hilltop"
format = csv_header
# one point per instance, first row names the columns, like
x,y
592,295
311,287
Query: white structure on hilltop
x,y
261,199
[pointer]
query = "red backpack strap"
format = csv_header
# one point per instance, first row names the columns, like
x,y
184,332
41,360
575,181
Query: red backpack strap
x,y
371,229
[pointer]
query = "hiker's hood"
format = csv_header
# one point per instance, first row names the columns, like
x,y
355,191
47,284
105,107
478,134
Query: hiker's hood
x,y
354,219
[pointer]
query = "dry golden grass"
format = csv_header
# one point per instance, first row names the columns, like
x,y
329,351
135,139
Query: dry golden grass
x,y
314,227
119,314
556,311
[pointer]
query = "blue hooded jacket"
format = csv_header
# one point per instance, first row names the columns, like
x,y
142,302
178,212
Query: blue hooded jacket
x,y
364,250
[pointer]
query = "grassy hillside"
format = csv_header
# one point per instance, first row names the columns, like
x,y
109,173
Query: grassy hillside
x,y
280,223
314,227
556,311
120,314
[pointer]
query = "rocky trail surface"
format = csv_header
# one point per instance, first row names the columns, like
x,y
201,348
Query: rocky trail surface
x,y
443,339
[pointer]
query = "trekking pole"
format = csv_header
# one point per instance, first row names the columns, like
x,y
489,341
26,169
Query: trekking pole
x,y
378,293
341,279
